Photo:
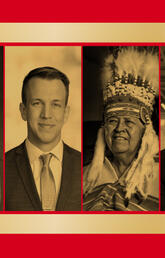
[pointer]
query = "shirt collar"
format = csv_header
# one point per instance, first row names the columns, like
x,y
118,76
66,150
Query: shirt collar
x,y
34,152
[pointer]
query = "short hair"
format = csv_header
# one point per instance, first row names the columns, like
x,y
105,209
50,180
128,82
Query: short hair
x,y
49,73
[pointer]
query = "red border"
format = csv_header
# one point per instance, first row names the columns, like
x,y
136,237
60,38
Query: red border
x,y
81,245
88,11
83,44
81,128
159,130
3,128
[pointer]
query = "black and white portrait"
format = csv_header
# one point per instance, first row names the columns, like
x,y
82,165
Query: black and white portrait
x,y
43,128
121,128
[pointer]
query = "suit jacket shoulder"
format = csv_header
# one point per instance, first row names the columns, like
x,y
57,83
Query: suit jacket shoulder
x,y
76,155
20,189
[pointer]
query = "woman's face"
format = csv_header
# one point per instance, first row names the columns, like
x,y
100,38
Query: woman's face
x,y
123,134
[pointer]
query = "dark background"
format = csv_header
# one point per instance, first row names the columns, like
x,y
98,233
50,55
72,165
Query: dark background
x,y
92,98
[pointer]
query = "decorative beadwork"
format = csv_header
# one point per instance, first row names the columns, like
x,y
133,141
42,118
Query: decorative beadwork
x,y
143,94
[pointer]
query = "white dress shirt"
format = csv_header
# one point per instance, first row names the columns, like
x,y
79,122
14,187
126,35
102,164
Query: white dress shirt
x,y
36,164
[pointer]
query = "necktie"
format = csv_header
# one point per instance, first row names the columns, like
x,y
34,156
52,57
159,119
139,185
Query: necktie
x,y
48,188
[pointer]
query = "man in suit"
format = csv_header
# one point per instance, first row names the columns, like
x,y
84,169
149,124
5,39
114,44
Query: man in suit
x,y
43,173
163,180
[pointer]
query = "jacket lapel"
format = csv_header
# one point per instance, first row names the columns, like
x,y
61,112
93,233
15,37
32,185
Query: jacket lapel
x,y
26,175
65,180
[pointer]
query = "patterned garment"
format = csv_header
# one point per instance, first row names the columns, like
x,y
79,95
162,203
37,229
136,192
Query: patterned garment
x,y
111,197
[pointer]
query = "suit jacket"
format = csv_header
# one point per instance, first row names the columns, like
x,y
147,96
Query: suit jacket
x,y
163,180
20,189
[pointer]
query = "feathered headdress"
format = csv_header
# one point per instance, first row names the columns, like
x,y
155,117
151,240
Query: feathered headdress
x,y
130,83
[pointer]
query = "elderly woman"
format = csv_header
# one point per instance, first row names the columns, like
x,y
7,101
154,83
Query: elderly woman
x,y
122,177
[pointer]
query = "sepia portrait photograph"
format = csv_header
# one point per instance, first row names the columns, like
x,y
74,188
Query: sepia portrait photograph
x,y
121,128
42,128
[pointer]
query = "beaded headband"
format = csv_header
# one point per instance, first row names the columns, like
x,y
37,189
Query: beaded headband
x,y
130,83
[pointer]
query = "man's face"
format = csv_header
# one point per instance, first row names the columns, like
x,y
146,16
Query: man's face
x,y
123,134
45,111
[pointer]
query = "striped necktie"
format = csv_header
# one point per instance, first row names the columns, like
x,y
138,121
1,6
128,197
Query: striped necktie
x,y
47,184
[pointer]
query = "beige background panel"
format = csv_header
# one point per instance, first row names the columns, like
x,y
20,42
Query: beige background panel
x,y
82,32
82,223
19,60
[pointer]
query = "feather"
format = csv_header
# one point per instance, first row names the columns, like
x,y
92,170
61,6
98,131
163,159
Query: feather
x,y
106,73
